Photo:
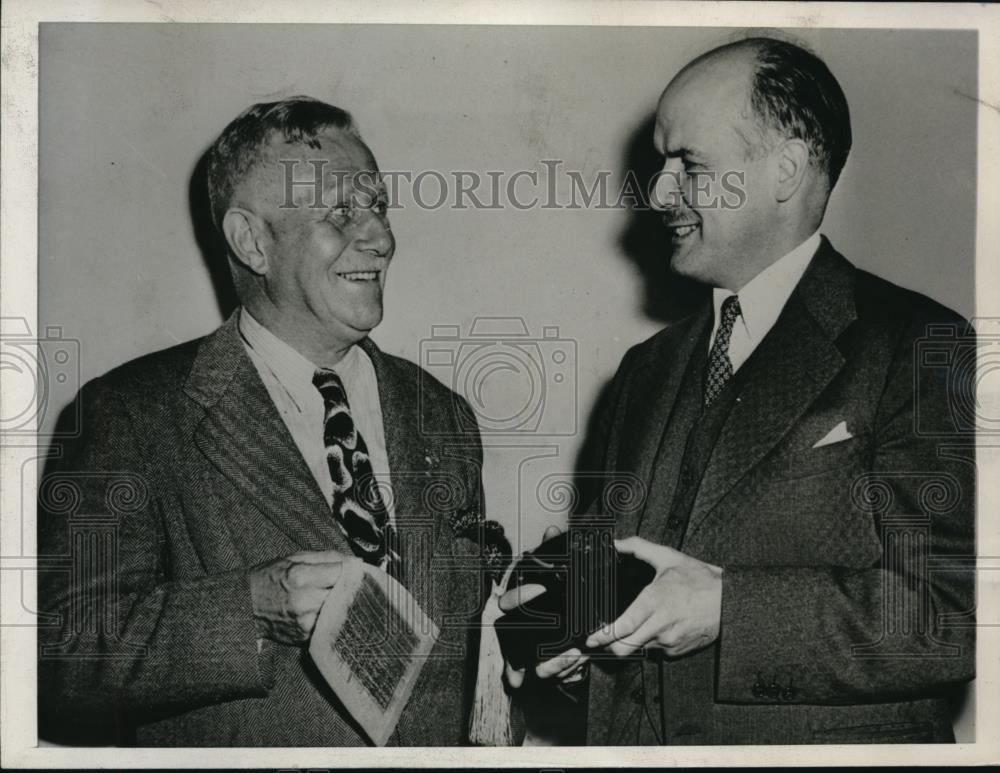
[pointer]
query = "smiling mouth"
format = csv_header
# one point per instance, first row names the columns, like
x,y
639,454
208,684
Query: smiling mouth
x,y
359,276
680,230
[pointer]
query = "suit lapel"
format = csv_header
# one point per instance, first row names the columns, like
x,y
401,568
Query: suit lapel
x,y
790,368
410,474
654,391
245,438
398,400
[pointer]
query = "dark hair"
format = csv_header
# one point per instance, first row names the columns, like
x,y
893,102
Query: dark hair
x,y
238,149
795,94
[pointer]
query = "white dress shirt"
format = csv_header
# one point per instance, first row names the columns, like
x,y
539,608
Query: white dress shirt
x,y
288,377
762,299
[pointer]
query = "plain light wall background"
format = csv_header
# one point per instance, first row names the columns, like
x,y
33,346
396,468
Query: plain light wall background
x,y
127,110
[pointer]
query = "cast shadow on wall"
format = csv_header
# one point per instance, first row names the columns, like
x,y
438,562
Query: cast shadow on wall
x,y
644,240
666,297
210,241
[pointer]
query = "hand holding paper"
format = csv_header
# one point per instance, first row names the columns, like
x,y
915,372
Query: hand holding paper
x,y
370,643
288,592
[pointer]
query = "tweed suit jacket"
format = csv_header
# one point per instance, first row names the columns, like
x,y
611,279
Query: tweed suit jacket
x,y
185,477
848,590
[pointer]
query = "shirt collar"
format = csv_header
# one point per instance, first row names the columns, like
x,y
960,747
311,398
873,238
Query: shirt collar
x,y
764,296
293,370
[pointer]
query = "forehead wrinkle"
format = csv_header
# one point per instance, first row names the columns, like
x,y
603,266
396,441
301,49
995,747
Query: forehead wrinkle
x,y
335,177
339,156
347,157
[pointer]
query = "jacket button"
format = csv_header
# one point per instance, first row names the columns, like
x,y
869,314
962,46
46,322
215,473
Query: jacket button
x,y
673,521
637,695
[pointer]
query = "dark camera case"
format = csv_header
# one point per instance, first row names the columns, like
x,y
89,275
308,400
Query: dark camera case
x,y
588,584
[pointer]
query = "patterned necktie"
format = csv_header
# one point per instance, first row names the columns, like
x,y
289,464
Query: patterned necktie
x,y
357,504
720,367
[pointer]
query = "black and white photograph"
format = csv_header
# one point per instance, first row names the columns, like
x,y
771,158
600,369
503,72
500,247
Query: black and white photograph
x,y
600,384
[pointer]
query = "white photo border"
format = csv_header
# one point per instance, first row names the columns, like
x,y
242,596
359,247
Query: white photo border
x,y
18,296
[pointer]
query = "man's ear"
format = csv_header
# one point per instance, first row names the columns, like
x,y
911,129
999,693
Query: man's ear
x,y
793,166
246,234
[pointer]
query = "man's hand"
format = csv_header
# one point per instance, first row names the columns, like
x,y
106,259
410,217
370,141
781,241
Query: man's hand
x,y
288,593
566,667
679,611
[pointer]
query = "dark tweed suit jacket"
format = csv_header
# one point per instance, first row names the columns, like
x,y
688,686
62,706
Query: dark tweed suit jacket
x,y
848,594
184,478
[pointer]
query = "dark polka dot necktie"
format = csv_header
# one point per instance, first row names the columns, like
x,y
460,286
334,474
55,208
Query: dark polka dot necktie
x,y
720,367
357,504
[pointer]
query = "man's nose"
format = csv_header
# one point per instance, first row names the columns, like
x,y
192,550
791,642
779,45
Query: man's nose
x,y
668,185
375,235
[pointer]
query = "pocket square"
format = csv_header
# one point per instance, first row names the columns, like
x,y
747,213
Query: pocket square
x,y
835,435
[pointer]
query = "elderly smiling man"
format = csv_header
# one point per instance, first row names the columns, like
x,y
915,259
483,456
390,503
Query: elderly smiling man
x,y
249,449
775,430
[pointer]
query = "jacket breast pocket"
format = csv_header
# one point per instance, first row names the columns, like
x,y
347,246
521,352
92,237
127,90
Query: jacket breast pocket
x,y
807,462
798,509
